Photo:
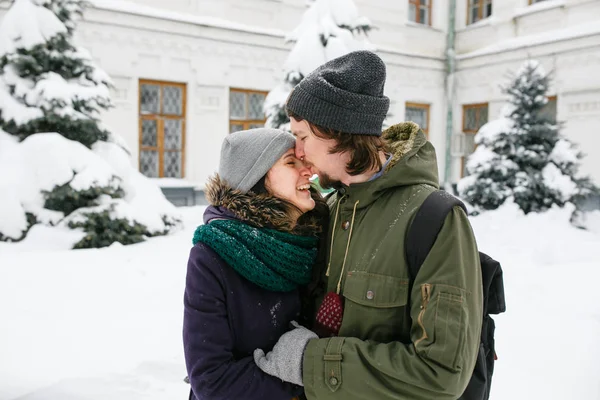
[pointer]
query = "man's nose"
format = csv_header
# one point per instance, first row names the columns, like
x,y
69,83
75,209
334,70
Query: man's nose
x,y
299,150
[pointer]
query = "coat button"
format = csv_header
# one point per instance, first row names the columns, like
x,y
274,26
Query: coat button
x,y
345,225
333,380
370,295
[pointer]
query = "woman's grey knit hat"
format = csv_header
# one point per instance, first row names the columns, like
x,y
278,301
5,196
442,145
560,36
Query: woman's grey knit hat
x,y
344,94
247,156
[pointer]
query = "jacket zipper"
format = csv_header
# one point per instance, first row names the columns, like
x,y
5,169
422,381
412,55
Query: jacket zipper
x,y
425,296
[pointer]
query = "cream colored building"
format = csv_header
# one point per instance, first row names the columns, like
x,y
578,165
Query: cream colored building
x,y
187,72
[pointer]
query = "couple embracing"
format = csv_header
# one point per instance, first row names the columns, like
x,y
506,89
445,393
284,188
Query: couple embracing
x,y
289,294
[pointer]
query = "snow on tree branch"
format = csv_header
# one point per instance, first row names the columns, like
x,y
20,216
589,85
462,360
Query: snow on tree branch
x,y
328,29
522,155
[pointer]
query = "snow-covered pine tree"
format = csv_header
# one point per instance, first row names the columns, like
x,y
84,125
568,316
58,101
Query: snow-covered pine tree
x,y
54,86
328,29
522,154
79,177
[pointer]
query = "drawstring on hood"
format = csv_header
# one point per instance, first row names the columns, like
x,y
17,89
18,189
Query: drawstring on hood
x,y
329,315
337,211
347,247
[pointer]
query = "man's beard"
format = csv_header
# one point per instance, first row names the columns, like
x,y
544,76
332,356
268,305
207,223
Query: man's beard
x,y
327,182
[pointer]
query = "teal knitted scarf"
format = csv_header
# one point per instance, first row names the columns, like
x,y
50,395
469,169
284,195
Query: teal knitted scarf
x,y
274,260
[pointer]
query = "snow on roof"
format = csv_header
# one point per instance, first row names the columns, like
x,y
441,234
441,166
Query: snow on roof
x,y
536,40
152,12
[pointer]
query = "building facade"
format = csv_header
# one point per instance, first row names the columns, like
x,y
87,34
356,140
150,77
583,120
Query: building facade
x,y
564,35
188,72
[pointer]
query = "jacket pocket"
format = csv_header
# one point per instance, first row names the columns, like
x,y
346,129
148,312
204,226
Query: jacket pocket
x,y
444,320
375,306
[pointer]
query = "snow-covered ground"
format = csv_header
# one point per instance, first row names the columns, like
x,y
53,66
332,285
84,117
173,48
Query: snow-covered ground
x,y
106,324
93,324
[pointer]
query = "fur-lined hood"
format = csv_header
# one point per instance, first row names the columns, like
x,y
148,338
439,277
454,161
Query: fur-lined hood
x,y
401,139
413,160
264,210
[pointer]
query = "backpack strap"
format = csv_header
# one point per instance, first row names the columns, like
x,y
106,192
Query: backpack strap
x,y
426,226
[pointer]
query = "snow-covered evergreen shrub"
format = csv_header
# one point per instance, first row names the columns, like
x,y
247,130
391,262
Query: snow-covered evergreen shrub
x,y
522,154
67,199
102,230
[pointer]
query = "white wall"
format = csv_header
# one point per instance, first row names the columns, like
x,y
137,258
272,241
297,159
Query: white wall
x,y
275,14
515,18
394,30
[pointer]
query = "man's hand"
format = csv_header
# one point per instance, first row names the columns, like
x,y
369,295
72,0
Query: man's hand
x,y
285,360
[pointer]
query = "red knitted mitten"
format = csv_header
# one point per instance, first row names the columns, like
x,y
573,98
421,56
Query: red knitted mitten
x,y
329,316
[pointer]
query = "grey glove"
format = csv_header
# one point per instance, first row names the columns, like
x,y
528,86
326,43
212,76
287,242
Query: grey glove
x,y
285,360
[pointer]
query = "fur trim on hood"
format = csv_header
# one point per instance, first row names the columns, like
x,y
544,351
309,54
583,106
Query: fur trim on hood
x,y
265,210
401,139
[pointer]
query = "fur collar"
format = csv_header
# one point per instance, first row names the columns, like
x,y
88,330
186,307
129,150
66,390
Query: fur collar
x,y
264,210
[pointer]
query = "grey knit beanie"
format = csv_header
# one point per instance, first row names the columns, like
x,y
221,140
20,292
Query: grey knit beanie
x,y
247,156
345,94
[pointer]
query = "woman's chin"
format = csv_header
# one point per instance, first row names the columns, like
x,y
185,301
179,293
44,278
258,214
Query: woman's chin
x,y
305,205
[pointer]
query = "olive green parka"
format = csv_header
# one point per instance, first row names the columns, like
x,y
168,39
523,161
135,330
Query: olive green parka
x,y
397,343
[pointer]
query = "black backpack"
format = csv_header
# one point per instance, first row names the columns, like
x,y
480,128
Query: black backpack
x,y
420,238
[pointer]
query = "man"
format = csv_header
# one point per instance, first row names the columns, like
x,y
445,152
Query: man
x,y
399,338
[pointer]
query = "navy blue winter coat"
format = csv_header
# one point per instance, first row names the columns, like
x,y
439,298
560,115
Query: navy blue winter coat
x,y
226,318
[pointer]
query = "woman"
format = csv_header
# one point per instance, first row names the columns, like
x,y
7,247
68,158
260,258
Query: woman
x,y
250,260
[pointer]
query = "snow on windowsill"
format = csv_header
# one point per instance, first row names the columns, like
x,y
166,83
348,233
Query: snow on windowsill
x,y
538,7
535,40
152,12
174,183
413,24
479,24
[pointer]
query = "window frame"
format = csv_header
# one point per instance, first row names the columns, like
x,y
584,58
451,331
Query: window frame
x,y
418,7
426,107
481,5
553,98
159,118
465,131
245,122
